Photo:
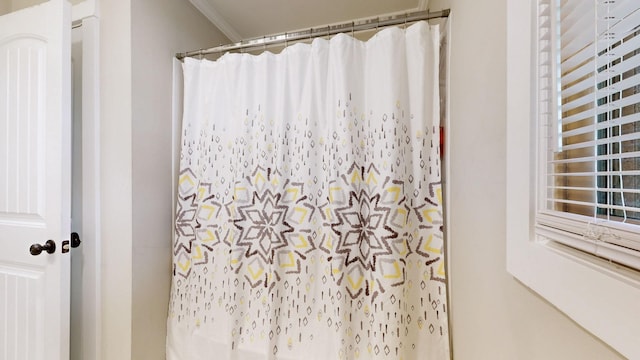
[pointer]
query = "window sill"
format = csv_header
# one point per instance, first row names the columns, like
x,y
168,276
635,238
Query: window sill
x,y
600,297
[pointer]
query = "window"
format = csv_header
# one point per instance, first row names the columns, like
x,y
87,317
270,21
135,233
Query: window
x,y
589,111
547,192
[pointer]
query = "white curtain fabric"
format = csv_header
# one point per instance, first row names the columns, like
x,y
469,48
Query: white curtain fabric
x,y
309,219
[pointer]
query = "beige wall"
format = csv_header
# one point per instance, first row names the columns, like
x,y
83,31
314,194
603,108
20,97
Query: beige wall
x,y
138,41
494,316
5,7
20,4
116,183
160,28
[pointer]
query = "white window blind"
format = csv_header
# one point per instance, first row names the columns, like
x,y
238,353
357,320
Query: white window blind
x,y
589,117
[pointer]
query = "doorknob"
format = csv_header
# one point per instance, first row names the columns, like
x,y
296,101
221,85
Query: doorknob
x,y
49,247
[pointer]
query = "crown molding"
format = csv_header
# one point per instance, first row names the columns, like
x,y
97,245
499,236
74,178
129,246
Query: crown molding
x,y
214,16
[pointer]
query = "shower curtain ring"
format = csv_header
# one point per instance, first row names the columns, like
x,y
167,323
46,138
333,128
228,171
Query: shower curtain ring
x,y
353,28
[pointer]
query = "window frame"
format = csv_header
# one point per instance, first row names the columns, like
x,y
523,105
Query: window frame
x,y
598,295
607,236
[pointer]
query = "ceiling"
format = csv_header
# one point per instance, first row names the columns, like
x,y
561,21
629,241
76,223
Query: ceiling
x,y
244,19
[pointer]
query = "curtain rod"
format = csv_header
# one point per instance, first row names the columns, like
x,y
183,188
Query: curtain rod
x,y
361,25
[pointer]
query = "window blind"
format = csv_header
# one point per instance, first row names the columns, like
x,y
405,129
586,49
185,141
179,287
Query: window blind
x,y
589,112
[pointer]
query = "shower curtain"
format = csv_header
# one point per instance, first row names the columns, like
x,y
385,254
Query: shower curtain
x,y
309,214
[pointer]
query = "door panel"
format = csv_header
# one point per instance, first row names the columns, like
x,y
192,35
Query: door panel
x,y
35,160
22,184
19,287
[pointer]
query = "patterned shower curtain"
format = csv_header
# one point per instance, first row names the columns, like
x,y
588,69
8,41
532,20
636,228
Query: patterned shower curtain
x,y
309,217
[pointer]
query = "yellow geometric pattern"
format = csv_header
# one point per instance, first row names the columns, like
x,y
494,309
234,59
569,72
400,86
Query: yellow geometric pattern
x,y
299,214
396,274
210,236
428,248
289,261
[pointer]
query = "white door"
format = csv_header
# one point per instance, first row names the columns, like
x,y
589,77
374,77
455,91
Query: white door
x,y
35,164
